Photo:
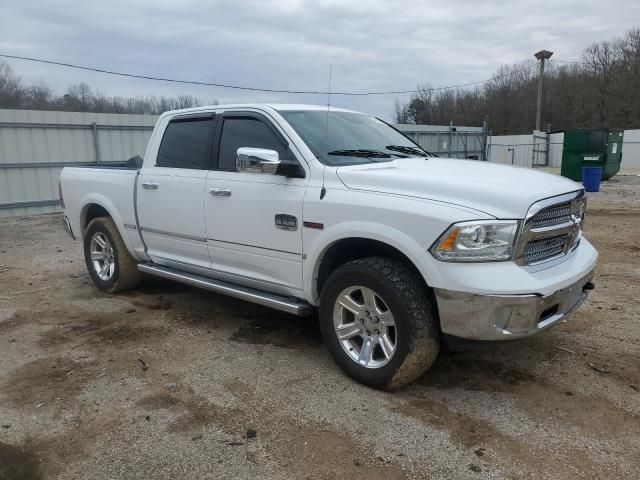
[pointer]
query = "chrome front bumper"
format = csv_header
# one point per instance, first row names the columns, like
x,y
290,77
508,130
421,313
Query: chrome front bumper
x,y
506,317
67,227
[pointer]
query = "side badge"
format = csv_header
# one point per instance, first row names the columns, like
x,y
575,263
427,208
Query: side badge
x,y
315,225
286,222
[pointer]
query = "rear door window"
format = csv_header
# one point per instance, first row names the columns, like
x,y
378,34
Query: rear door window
x,y
186,144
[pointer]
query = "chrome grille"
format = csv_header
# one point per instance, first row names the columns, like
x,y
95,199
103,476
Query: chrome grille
x,y
552,228
544,248
551,216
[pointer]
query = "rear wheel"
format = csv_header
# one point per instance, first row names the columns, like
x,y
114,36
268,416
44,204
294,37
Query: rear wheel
x,y
109,263
379,322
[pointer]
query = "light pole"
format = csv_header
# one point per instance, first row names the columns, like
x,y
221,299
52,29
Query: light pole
x,y
542,55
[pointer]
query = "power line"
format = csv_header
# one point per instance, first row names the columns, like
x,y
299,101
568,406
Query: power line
x,y
564,61
582,62
258,89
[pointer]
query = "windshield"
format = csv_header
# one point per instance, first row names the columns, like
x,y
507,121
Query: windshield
x,y
347,138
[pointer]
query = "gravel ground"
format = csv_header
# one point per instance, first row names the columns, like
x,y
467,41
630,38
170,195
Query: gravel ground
x,y
173,382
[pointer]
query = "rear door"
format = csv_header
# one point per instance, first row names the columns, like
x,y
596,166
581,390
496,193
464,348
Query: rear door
x,y
170,194
254,220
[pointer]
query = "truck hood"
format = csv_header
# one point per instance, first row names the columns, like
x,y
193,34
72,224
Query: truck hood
x,y
501,191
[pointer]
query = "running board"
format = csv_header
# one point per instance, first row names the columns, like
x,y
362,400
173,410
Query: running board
x,y
279,302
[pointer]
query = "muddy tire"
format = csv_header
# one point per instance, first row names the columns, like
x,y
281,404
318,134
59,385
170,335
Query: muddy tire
x,y
108,261
379,322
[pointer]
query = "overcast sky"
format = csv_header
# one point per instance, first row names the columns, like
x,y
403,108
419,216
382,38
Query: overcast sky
x,y
289,44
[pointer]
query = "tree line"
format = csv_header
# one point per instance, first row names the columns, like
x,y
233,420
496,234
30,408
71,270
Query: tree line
x,y
600,91
81,98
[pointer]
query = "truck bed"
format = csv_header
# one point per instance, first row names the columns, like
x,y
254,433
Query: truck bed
x,y
109,186
134,163
109,166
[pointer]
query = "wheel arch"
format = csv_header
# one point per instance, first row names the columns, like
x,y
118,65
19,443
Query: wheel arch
x,y
344,248
91,211
95,206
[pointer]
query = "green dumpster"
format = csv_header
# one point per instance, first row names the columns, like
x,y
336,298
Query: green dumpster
x,y
591,148
614,155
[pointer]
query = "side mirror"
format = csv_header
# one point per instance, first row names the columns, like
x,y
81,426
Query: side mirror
x,y
257,160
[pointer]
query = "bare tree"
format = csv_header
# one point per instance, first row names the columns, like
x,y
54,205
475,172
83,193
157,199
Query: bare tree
x,y
38,97
82,98
601,91
11,94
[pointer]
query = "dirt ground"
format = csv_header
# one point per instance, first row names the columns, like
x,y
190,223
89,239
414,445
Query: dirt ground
x,y
173,382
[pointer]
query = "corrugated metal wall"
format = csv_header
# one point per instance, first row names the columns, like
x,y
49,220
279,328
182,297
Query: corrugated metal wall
x,y
35,145
448,141
518,150
511,150
631,152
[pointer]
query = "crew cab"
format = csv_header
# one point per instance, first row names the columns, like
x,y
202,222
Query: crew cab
x,y
304,208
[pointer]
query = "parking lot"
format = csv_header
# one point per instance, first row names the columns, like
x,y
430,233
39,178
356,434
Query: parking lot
x,y
173,382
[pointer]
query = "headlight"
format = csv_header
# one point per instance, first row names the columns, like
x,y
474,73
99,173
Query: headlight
x,y
485,241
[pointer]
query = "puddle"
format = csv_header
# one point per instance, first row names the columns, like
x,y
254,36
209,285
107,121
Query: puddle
x,y
472,373
47,380
106,330
17,463
281,331
193,411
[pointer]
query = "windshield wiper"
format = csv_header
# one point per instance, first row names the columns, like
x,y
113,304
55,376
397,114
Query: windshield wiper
x,y
360,152
408,150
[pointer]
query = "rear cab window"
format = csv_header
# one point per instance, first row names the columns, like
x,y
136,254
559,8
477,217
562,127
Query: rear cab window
x,y
186,143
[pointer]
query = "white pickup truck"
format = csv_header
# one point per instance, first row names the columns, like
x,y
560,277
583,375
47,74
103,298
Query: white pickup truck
x,y
300,207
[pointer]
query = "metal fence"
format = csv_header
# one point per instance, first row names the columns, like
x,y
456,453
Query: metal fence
x,y
449,141
545,150
36,145
535,150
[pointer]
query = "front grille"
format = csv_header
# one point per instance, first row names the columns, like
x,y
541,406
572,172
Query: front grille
x,y
553,230
544,248
553,215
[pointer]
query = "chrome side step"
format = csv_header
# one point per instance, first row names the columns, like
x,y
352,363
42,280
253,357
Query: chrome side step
x,y
279,302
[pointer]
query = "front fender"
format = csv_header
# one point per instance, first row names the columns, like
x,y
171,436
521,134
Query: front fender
x,y
320,242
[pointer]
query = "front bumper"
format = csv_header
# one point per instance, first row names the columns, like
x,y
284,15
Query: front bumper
x,y
506,317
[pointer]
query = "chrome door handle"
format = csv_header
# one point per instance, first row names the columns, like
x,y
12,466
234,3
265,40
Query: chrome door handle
x,y
150,185
220,192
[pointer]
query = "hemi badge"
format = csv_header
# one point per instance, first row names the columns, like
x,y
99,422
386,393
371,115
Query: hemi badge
x,y
316,225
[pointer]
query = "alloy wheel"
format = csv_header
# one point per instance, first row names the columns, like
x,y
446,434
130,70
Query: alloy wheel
x,y
102,256
365,327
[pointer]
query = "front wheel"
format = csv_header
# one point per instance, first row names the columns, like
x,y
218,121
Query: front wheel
x,y
109,263
379,322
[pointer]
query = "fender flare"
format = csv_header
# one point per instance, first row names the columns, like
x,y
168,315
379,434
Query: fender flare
x,y
416,253
104,202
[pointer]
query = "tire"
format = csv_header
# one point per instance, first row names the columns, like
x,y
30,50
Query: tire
x,y
124,274
415,335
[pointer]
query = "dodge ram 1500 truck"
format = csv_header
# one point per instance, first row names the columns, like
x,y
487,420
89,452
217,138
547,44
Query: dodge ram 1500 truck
x,y
301,207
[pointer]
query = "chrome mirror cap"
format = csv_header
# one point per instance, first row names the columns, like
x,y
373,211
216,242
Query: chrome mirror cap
x,y
257,160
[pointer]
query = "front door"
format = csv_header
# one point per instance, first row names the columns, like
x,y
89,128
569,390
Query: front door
x,y
254,220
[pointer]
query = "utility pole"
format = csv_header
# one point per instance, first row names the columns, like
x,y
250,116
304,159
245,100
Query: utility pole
x,y
542,55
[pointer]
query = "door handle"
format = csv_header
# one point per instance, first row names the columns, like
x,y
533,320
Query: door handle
x,y
150,185
220,192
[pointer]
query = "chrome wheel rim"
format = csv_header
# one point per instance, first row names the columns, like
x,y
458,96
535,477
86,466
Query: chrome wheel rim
x,y
102,256
365,327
